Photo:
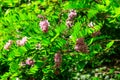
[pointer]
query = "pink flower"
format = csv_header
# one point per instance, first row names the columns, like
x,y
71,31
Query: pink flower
x,y
72,14
81,46
24,39
44,25
22,42
76,47
69,23
7,45
57,60
30,62
58,57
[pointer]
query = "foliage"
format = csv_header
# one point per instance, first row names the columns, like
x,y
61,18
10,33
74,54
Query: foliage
x,y
97,22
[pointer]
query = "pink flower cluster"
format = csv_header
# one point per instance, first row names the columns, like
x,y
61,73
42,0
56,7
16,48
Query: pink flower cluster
x,y
44,25
30,62
81,46
69,23
71,16
22,42
58,60
7,45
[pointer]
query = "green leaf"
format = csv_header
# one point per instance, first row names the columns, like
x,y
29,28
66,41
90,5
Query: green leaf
x,y
54,37
107,2
92,13
111,71
33,69
91,41
109,44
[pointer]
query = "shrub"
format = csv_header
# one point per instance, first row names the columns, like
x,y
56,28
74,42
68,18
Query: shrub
x,y
75,27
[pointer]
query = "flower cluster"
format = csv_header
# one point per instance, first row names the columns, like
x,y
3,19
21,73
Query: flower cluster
x,y
44,25
71,16
22,42
30,62
96,33
81,46
58,60
7,45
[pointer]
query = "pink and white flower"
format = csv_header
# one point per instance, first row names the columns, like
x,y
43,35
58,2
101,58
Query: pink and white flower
x,y
69,23
72,14
7,45
22,42
30,62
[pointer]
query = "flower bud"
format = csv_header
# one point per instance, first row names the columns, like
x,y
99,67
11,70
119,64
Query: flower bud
x,y
44,25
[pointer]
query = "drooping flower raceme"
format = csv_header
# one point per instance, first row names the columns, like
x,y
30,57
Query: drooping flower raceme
x,y
58,60
70,19
22,42
44,25
72,14
30,62
7,45
81,46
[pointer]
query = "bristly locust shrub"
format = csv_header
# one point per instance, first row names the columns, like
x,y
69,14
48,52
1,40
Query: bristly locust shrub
x,y
52,40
